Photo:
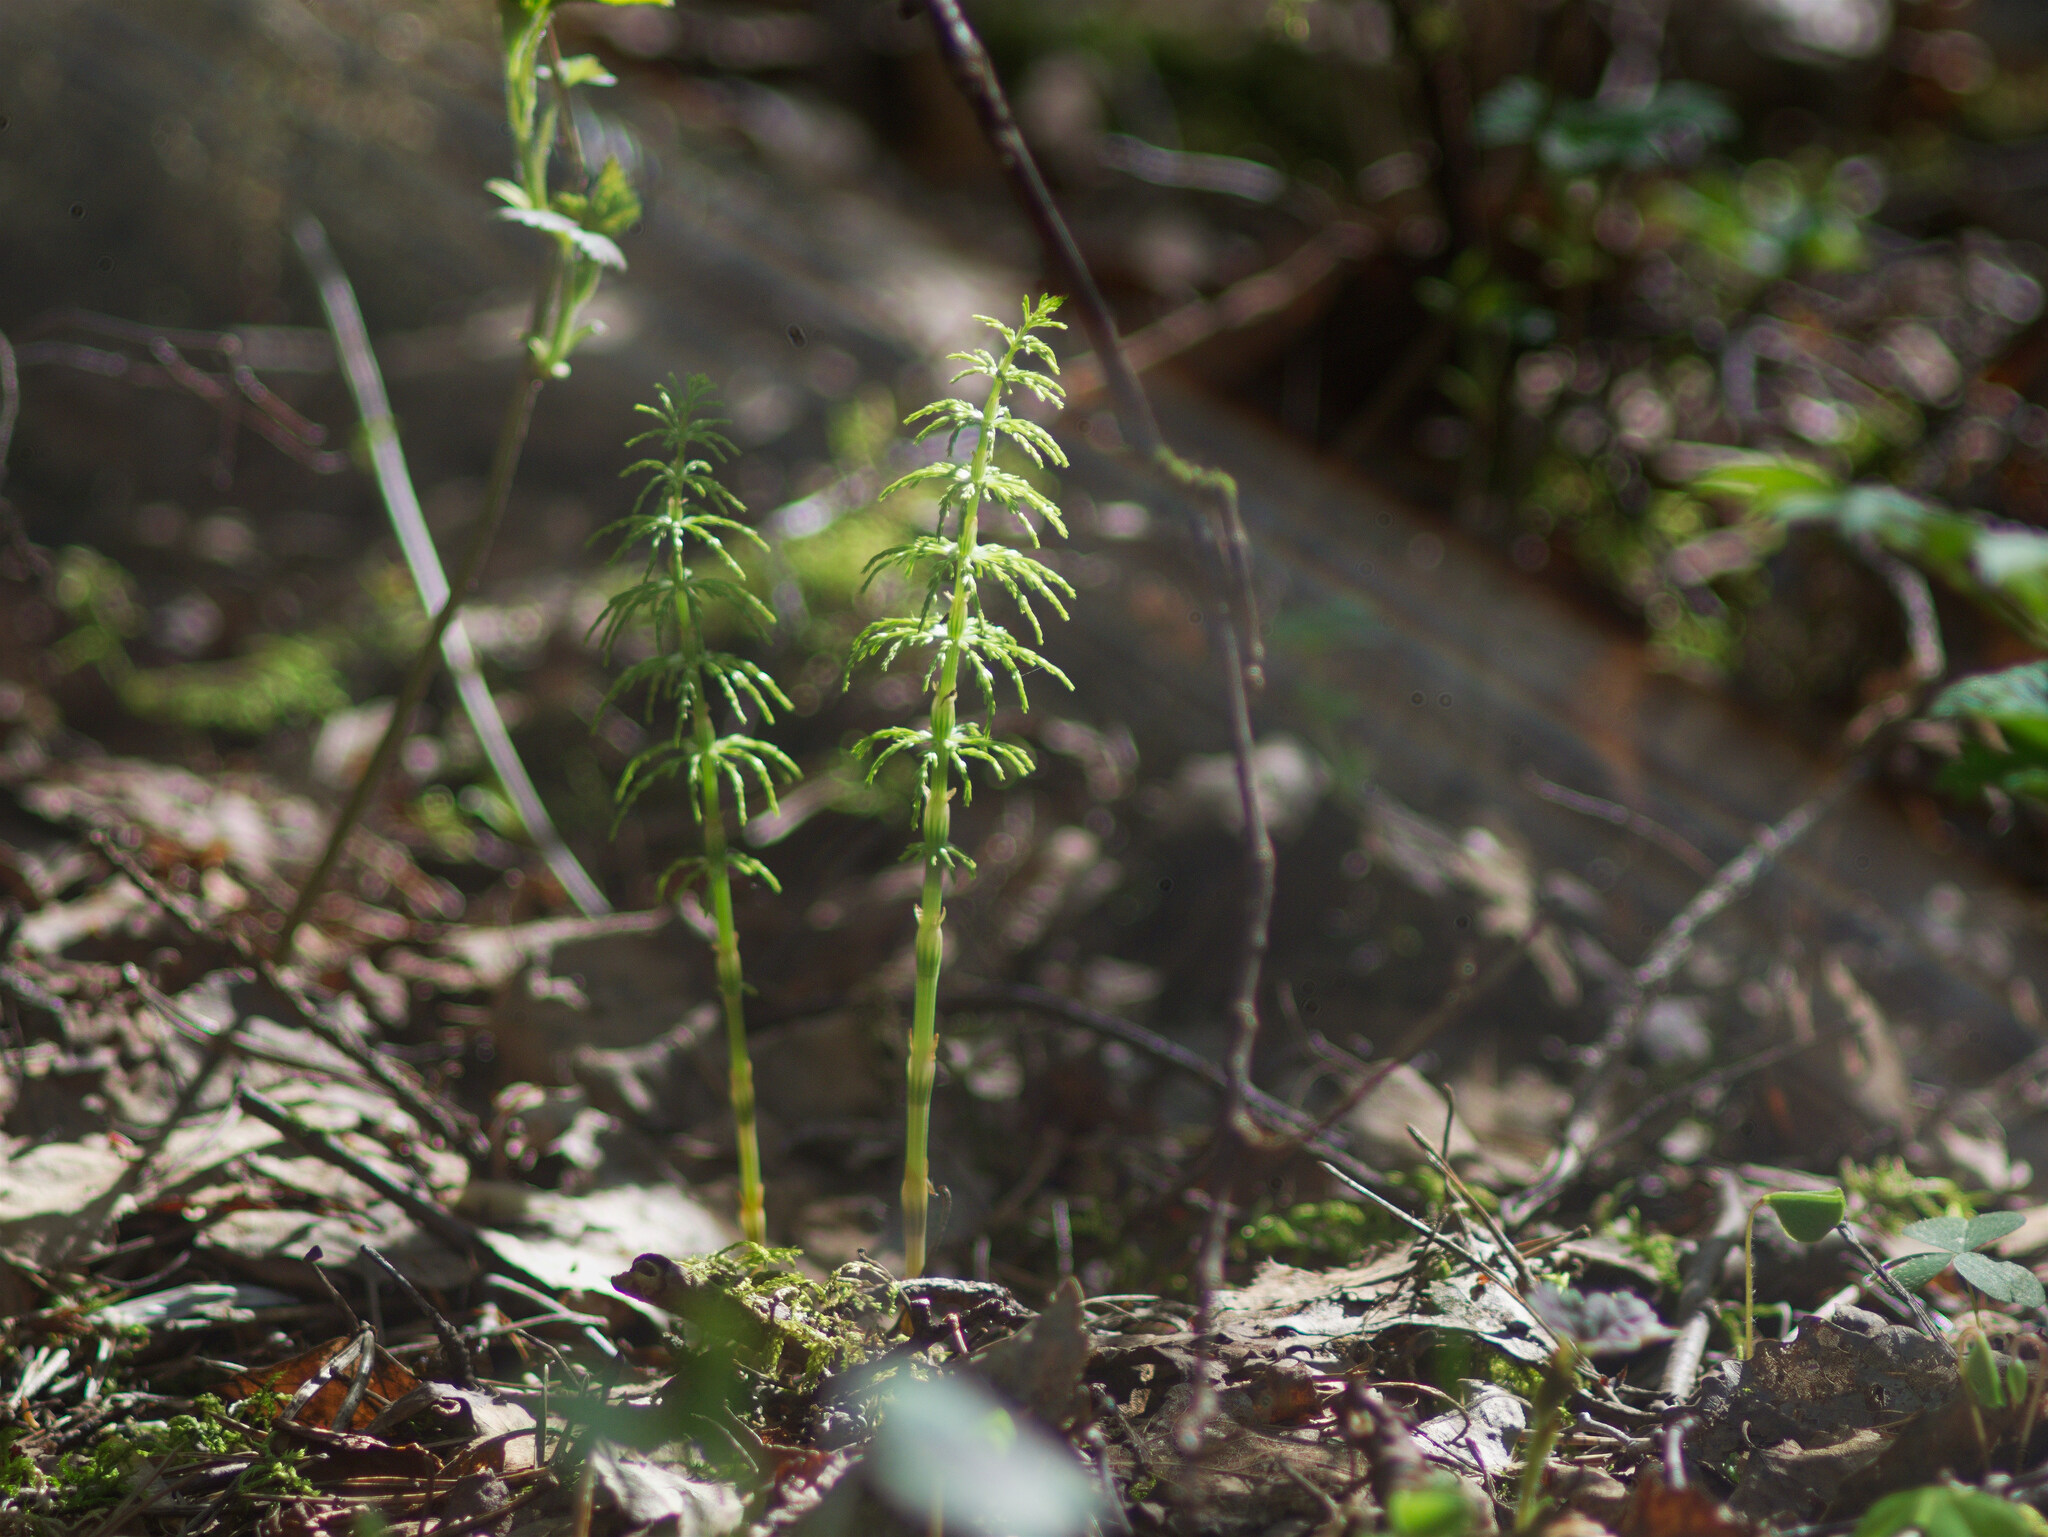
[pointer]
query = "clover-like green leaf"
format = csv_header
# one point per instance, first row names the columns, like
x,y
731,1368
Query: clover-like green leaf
x,y
1916,1270
1808,1216
1956,1241
2001,1280
1959,1235
1991,1227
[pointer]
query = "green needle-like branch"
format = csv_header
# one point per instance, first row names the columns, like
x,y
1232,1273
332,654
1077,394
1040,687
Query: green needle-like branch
x,y
683,513
1211,498
952,634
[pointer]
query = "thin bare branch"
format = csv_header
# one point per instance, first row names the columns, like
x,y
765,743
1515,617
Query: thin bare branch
x,y
10,402
1462,994
1926,658
1702,1278
497,493
1618,815
394,483
1606,1056
390,1073
1249,300
1283,1116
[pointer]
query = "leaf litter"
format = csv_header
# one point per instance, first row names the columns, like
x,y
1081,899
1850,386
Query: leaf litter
x,y
1341,1387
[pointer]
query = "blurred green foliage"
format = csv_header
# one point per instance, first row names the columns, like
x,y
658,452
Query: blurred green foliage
x,y
1313,1235
279,680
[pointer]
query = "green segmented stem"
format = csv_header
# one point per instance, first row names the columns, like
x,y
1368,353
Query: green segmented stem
x,y
937,828
670,598
953,631
725,947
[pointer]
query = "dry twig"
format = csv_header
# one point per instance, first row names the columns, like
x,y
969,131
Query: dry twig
x,y
394,484
1605,1058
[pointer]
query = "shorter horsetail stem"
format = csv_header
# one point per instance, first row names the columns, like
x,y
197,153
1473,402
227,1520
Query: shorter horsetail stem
x,y
683,510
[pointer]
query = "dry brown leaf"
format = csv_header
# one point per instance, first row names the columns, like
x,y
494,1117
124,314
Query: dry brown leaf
x,y
1658,1509
389,1380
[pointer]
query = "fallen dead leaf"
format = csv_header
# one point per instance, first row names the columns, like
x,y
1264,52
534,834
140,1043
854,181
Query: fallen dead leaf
x,y
389,1380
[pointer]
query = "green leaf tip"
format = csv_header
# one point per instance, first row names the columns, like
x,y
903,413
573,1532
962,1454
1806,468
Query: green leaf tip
x,y
1808,1216
2001,1280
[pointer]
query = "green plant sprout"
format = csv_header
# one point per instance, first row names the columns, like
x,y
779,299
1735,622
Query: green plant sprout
x,y
584,224
682,510
1436,1507
2004,1383
1807,1216
952,626
1992,1385
1586,1326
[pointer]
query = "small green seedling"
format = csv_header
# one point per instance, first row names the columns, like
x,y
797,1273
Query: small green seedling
x,y
2002,1385
1957,1241
1949,1510
1436,1507
1587,1326
1992,1387
1807,1216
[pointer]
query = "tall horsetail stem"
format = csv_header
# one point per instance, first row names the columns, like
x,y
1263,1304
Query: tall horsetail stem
x,y
690,508
952,629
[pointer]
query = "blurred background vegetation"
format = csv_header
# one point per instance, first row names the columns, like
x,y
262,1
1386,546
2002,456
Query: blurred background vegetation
x,y
1530,263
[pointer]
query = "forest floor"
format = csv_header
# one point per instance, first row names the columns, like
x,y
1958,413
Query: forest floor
x,y
1597,998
